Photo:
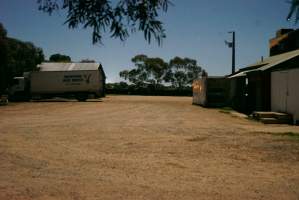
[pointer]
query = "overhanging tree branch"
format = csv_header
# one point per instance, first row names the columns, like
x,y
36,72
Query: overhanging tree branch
x,y
294,9
120,20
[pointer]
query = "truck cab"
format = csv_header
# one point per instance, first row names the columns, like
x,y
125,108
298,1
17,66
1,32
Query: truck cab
x,y
18,90
3,100
18,85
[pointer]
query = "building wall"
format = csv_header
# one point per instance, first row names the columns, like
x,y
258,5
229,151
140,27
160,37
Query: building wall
x,y
258,98
238,94
285,92
218,92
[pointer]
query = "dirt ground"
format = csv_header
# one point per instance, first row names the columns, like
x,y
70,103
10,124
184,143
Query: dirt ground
x,y
133,147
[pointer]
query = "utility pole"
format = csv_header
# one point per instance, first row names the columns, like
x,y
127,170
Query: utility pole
x,y
233,46
234,52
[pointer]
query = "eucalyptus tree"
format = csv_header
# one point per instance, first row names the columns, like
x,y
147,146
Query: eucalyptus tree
x,y
16,57
146,71
178,72
182,71
3,58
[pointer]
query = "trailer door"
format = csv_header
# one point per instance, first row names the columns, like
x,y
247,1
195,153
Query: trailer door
x,y
285,92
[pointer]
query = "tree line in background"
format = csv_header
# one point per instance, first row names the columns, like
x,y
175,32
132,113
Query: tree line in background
x,y
16,57
66,59
149,76
154,76
60,58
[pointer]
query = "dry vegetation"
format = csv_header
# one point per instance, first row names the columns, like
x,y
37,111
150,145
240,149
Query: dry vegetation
x,y
131,147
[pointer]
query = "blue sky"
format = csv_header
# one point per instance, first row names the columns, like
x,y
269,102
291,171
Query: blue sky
x,y
195,29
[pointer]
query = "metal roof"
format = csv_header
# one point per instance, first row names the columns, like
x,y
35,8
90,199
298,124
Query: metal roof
x,y
47,66
216,77
242,73
267,63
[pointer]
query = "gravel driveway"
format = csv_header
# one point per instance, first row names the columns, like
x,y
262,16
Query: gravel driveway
x,y
134,147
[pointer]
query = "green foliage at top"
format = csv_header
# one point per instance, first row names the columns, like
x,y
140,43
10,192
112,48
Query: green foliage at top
x,y
59,58
178,72
119,18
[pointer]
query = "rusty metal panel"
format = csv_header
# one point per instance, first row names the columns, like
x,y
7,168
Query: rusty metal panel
x,y
211,91
200,91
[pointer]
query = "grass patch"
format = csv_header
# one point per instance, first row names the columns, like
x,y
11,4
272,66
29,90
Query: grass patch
x,y
226,110
196,139
290,135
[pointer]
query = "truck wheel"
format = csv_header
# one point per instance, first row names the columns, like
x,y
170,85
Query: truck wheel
x,y
81,97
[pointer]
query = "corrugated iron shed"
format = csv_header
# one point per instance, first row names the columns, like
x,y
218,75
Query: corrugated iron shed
x,y
267,63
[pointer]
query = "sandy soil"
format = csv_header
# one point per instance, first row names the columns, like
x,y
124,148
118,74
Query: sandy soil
x,y
132,147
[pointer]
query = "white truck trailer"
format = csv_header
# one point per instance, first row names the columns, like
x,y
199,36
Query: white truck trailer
x,y
67,80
